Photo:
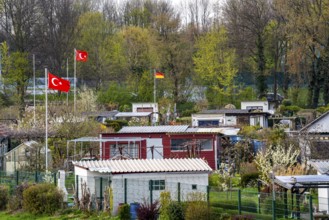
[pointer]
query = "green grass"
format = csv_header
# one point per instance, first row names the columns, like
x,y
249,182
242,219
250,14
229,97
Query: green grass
x,y
64,215
228,202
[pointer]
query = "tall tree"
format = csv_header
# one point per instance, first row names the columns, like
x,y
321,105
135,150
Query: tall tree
x,y
215,66
18,21
246,22
94,34
308,31
57,30
15,75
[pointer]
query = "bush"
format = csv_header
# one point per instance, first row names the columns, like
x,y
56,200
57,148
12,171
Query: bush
x,y
4,197
124,212
197,210
16,201
213,179
42,198
116,124
249,179
147,211
175,211
164,201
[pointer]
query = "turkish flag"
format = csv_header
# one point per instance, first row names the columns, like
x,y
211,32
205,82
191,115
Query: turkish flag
x,y
81,55
57,83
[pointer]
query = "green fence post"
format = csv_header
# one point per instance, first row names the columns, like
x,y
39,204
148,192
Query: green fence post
x,y
285,200
239,201
273,209
178,193
125,191
77,186
311,206
101,192
151,191
17,177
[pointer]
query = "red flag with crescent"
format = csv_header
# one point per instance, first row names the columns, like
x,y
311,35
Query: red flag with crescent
x,y
81,55
57,83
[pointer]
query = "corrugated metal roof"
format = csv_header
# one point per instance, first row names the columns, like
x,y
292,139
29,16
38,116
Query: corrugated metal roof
x,y
322,166
224,111
106,139
154,129
146,165
298,181
133,114
221,130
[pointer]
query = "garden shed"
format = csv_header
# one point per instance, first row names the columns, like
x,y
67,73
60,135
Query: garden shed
x,y
138,180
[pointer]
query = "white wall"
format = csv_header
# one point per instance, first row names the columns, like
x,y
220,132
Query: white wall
x,y
201,117
155,118
264,104
138,186
258,118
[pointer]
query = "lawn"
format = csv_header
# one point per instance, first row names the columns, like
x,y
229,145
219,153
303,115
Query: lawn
x,y
65,215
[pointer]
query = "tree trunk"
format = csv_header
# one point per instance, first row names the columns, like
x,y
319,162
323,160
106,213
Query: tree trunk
x,y
261,79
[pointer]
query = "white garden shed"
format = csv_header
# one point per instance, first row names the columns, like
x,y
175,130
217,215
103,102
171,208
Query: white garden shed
x,y
137,180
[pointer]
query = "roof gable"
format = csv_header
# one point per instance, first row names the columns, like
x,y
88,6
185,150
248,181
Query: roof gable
x,y
319,125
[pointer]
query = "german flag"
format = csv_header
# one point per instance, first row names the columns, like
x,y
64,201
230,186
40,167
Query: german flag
x,y
159,75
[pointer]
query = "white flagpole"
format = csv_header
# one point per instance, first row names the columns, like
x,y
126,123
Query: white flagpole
x,y
46,138
34,90
67,75
154,92
75,79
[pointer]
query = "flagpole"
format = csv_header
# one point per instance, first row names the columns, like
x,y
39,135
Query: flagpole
x,y
67,75
34,90
46,138
154,92
75,81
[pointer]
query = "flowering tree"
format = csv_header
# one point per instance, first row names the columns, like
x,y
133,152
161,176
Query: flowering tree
x,y
276,157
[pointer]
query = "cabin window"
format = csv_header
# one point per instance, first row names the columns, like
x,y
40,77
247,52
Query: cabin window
x,y
183,144
158,185
208,123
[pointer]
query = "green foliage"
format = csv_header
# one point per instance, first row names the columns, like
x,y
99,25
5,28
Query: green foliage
x,y
4,197
116,124
176,211
164,202
289,110
124,212
323,109
16,200
287,102
42,199
249,179
213,179
115,96
197,210
215,66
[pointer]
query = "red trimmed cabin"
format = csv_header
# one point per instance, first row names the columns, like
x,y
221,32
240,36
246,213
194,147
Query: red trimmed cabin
x,y
147,142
